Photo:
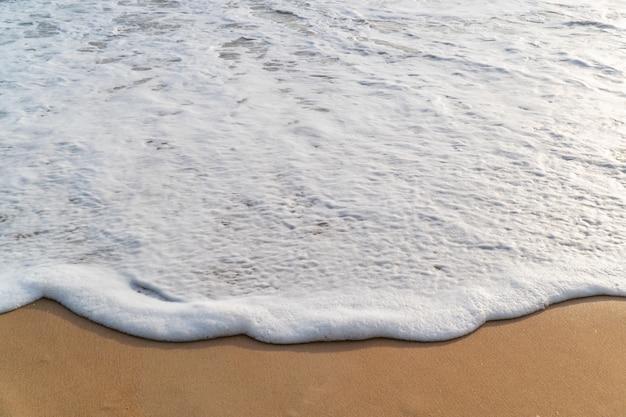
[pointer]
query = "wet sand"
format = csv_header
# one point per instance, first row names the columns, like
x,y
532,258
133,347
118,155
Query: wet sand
x,y
569,360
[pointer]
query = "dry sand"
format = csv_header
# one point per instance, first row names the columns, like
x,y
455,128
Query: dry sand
x,y
569,360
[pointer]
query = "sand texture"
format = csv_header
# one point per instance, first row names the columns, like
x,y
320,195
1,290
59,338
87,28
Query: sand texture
x,y
569,360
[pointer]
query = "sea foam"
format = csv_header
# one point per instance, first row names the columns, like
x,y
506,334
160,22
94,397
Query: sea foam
x,y
302,171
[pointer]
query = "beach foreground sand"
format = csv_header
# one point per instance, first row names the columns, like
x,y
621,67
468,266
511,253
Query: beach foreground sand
x,y
569,360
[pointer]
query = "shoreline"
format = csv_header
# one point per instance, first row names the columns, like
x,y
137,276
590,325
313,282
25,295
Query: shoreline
x,y
567,360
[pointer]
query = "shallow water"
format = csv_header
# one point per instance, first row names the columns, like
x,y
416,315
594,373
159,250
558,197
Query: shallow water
x,y
306,171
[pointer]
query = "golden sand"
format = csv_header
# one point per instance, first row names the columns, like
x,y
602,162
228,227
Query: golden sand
x,y
569,360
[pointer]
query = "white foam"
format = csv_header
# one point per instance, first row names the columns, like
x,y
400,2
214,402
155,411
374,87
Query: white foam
x,y
300,172
111,300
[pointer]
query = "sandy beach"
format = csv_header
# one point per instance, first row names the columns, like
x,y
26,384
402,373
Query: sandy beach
x,y
565,361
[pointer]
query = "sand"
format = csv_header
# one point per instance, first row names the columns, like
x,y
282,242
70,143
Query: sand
x,y
569,360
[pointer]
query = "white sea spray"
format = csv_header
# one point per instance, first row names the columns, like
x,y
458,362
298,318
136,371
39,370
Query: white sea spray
x,y
303,171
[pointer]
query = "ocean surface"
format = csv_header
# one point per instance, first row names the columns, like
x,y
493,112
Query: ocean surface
x,y
311,170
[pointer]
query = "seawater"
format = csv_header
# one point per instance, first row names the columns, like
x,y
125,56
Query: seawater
x,y
311,170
